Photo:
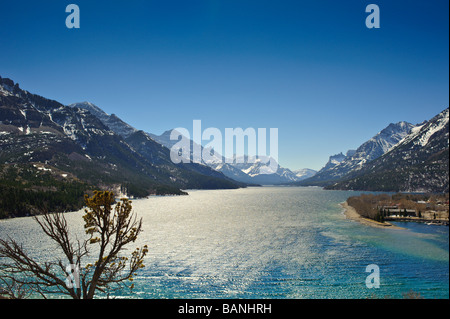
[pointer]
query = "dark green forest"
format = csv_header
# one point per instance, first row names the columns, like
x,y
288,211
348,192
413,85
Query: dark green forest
x,y
25,190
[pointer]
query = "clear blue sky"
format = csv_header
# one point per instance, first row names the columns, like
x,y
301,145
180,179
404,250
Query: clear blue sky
x,y
310,68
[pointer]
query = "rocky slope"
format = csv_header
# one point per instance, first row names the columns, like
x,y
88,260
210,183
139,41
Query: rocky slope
x,y
417,163
74,142
340,165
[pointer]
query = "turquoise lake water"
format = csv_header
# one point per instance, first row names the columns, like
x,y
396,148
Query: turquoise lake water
x,y
268,242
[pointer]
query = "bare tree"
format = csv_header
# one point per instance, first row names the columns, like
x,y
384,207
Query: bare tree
x,y
109,228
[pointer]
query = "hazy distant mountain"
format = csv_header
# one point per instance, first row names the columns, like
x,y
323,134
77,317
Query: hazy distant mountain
x,y
418,163
304,173
165,140
253,169
244,170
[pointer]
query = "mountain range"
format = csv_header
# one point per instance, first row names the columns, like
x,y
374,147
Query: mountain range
x,y
158,153
340,165
74,145
242,169
51,154
402,157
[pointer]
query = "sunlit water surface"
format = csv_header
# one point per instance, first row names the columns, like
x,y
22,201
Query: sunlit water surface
x,y
268,242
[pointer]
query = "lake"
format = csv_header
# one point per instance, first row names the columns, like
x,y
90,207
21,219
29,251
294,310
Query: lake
x,y
268,242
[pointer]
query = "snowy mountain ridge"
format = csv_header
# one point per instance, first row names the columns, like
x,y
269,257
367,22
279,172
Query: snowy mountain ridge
x,y
417,163
80,141
340,165
242,169
111,121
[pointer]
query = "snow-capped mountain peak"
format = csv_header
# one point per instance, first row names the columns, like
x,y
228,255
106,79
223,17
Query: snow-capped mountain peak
x,y
418,163
242,169
421,134
340,164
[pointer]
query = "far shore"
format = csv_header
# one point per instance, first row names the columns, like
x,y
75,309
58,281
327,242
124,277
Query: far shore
x,y
352,214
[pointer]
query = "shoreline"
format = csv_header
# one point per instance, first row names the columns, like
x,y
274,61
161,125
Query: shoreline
x,y
352,214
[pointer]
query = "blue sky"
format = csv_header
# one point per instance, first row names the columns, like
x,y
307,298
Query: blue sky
x,y
309,68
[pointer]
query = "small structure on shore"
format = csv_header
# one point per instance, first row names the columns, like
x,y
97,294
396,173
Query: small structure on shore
x,y
388,211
